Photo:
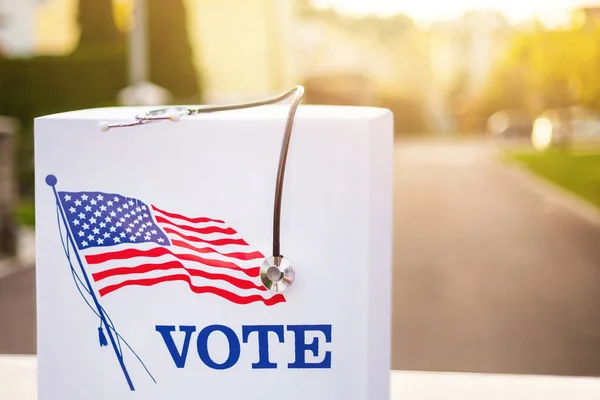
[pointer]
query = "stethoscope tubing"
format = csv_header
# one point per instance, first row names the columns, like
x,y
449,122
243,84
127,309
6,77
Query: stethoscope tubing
x,y
175,114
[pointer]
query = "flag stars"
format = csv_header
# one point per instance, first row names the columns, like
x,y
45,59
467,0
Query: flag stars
x,y
98,219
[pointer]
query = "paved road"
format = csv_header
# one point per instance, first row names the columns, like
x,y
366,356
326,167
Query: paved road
x,y
17,313
489,275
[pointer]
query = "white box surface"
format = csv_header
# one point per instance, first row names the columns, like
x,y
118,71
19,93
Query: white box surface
x,y
168,223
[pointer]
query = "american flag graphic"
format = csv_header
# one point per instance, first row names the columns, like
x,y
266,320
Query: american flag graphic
x,y
125,242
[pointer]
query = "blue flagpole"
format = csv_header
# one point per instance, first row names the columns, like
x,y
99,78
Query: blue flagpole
x,y
51,180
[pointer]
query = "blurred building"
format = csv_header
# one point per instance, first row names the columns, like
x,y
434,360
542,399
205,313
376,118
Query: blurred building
x,y
390,54
463,53
17,27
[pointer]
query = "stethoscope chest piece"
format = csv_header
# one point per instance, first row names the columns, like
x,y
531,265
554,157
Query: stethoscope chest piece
x,y
277,273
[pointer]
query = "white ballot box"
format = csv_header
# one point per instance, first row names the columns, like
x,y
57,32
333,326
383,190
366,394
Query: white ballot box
x,y
151,242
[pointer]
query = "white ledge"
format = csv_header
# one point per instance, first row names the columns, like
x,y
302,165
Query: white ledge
x,y
18,381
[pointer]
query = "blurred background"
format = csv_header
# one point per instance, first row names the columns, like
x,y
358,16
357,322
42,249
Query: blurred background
x,y
497,124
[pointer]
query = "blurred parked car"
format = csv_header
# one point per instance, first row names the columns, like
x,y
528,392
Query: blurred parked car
x,y
510,124
564,127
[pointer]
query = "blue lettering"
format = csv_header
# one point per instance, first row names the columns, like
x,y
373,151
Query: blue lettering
x,y
165,331
302,346
263,342
234,346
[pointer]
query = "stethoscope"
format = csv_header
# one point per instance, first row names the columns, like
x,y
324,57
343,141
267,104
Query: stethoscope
x,y
277,273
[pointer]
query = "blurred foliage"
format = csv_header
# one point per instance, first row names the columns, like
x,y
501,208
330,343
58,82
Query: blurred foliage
x,y
94,73
546,69
576,172
98,31
25,214
46,85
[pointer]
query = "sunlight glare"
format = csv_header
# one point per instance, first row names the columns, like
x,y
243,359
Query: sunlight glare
x,y
551,12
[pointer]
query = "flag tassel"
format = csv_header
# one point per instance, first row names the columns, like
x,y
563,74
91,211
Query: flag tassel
x,y
102,337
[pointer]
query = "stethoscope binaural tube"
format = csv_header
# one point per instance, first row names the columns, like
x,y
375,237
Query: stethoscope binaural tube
x,y
277,272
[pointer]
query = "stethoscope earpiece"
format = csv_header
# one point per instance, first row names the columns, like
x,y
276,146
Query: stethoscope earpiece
x,y
277,273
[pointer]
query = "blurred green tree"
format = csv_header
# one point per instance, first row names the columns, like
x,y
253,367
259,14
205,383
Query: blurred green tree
x,y
547,69
170,52
98,31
